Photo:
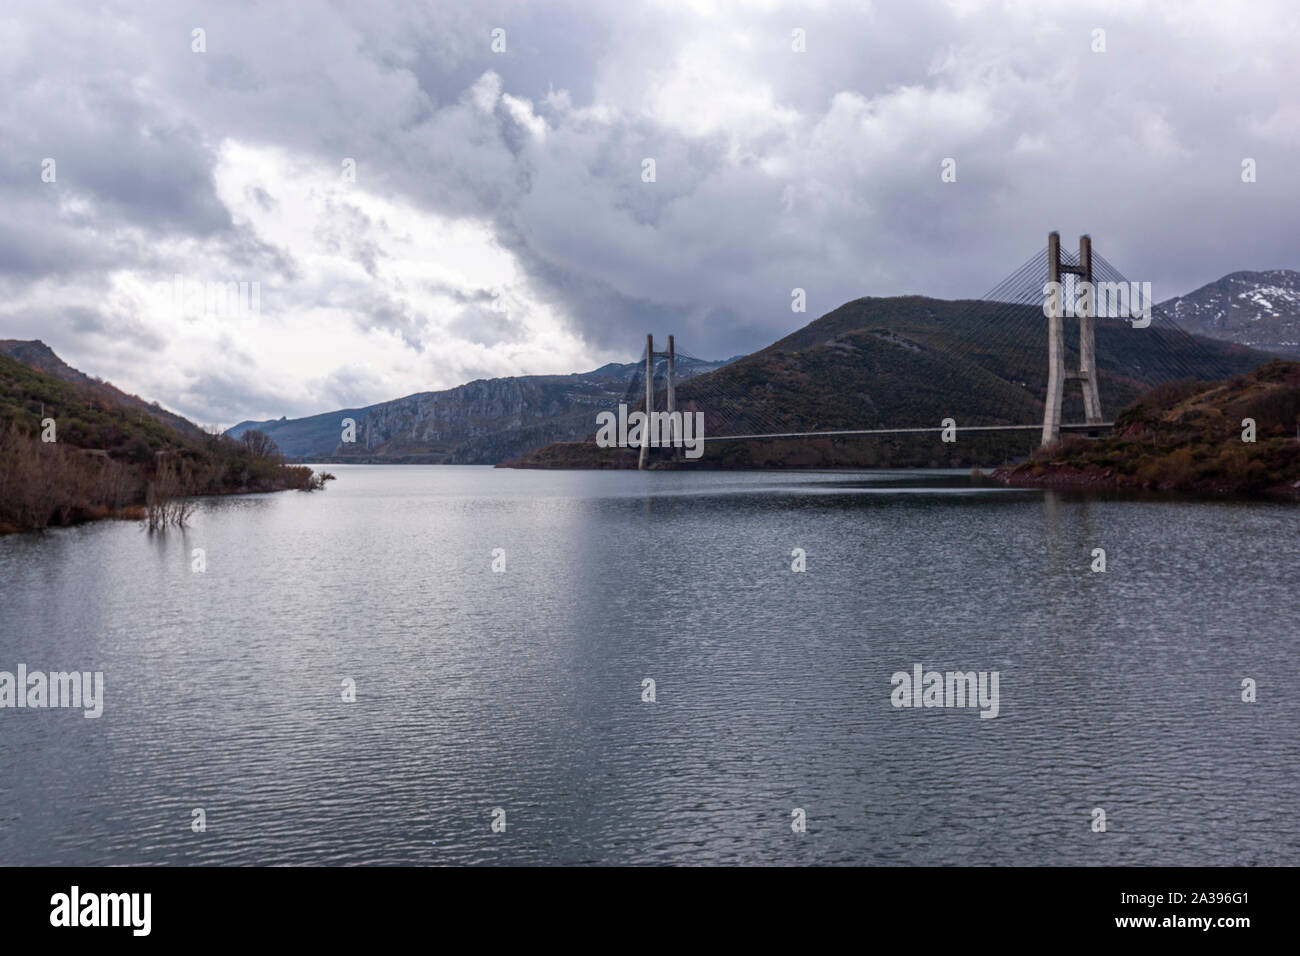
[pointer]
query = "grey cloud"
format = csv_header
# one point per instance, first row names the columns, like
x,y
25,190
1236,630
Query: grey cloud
x,y
835,188
212,397
484,326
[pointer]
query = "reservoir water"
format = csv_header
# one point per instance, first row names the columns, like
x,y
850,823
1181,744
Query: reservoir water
x,y
523,690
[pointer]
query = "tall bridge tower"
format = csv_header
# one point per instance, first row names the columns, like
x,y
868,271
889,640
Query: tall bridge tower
x,y
1056,374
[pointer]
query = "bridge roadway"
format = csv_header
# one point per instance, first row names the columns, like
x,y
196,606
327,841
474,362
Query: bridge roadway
x,y
906,431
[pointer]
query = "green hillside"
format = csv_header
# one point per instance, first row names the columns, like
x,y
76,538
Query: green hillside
x,y
111,458
36,355
83,419
1188,437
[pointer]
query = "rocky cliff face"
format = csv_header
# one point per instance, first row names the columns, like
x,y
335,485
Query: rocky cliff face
x,y
1259,309
469,423
482,422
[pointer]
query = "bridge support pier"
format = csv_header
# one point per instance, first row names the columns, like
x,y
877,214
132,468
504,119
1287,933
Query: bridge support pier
x,y
1088,340
1055,348
671,399
1056,374
649,400
668,434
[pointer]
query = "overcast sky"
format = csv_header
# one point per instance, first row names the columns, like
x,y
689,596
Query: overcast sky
x,y
499,223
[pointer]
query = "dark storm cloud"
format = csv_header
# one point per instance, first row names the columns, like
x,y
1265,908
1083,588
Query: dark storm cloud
x,y
121,163
775,170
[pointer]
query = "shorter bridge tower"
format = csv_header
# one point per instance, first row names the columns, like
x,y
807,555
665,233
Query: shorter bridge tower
x,y
671,391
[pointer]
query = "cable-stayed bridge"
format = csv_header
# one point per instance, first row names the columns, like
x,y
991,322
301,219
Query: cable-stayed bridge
x,y
1014,355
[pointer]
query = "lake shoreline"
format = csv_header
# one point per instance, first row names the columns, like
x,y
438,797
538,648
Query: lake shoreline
x,y
1063,477
133,512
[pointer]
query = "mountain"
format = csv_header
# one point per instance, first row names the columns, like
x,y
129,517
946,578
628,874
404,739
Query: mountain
x,y
35,354
109,454
1259,309
482,422
1188,437
911,361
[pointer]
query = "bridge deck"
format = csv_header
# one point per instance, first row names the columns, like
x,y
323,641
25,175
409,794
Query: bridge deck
x,y
908,431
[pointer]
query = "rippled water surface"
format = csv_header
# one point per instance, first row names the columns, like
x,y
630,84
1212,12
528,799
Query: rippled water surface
x,y
522,690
